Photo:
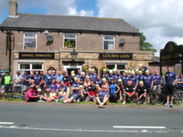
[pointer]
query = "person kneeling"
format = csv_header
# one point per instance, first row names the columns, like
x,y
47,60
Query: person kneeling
x,y
129,92
141,93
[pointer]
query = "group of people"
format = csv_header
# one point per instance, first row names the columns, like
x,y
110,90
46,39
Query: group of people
x,y
109,86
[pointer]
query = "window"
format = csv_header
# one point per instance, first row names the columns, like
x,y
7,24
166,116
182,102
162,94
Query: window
x,y
116,66
109,43
30,40
111,66
25,66
30,66
69,40
120,66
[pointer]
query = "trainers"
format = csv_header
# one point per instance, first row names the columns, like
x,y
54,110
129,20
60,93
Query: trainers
x,y
124,102
171,105
167,105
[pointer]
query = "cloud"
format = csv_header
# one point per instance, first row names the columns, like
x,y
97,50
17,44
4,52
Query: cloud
x,y
73,11
160,20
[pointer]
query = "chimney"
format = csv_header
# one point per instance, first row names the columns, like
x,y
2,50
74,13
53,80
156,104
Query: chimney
x,y
13,8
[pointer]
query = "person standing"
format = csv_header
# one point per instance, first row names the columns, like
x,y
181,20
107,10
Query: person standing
x,y
6,81
17,82
170,77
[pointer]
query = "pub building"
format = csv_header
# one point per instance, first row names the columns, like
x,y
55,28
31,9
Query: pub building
x,y
31,42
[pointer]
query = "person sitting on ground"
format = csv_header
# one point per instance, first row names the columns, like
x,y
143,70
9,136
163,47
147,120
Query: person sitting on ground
x,y
129,92
141,93
46,96
53,96
31,94
179,85
102,96
63,93
91,92
75,91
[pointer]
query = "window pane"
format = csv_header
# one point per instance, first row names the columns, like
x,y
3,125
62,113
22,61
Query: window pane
x,y
108,37
70,35
29,42
36,66
30,34
69,43
111,66
122,66
24,66
108,45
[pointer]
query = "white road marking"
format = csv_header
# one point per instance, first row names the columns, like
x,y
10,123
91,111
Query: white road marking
x,y
89,131
6,123
139,127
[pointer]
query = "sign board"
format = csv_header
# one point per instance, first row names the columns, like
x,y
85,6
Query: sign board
x,y
171,54
36,55
116,56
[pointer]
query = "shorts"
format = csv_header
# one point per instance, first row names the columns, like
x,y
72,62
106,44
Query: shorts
x,y
169,90
74,96
7,88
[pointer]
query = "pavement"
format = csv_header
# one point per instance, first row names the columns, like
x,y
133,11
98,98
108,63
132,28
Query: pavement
x,y
54,120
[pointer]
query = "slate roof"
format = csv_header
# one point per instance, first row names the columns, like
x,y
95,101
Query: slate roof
x,y
62,22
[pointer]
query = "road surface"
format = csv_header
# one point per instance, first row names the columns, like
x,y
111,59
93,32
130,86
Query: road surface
x,y
37,120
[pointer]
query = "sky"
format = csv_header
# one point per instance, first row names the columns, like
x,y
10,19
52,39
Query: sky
x,y
160,20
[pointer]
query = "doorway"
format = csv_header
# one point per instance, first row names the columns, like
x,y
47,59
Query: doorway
x,y
69,69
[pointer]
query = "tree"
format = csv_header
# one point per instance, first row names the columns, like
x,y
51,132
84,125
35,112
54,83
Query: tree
x,y
144,45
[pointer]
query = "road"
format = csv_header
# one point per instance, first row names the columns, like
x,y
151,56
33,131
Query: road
x,y
37,120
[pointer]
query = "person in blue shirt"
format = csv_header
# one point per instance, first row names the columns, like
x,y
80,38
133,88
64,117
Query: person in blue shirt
x,y
102,96
157,81
110,76
148,81
170,78
179,82
82,78
98,81
117,75
59,76
133,78
75,91
129,92
125,78
37,78
141,93
113,91
140,76
48,78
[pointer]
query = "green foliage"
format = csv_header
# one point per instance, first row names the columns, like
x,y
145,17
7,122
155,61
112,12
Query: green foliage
x,y
144,45
69,44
